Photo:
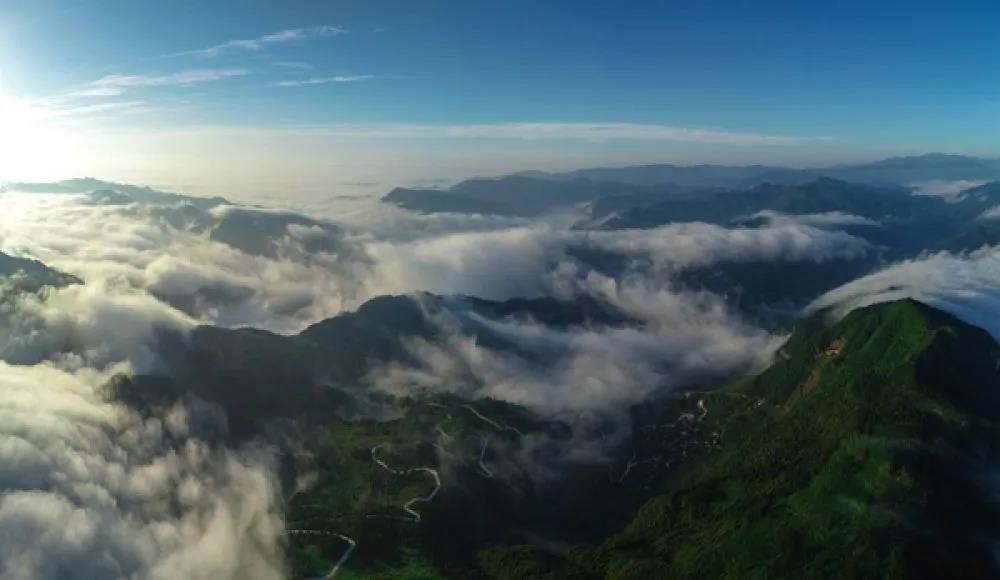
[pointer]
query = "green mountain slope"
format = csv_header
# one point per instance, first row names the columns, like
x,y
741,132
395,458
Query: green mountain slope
x,y
866,451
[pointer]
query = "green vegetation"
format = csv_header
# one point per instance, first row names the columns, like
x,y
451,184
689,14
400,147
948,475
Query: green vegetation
x,y
860,453
841,462
357,496
413,566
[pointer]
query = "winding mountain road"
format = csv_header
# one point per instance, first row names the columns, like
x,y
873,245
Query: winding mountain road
x,y
351,544
408,506
486,471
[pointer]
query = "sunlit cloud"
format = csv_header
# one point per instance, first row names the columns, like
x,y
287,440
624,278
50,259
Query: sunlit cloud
x,y
32,137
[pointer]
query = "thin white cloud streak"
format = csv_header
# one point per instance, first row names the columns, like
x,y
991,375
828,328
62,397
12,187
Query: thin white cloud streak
x,y
692,244
96,109
296,65
324,80
949,190
288,36
114,85
828,219
35,135
590,132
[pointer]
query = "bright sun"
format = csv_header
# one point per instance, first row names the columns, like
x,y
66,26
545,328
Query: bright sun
x,y
32,144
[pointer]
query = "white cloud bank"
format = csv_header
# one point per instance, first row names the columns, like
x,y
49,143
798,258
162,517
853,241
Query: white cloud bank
x,y
950,190
97,490
92,490
132,248
683,338
965,285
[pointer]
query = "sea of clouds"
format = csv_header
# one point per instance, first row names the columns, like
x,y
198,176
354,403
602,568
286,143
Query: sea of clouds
x,y
100,490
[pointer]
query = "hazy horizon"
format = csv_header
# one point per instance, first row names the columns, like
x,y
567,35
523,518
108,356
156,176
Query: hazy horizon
x,y
352,97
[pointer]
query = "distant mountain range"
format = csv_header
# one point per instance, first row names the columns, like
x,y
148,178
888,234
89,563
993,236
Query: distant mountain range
x,y
895,170
111,192
519,195
533,193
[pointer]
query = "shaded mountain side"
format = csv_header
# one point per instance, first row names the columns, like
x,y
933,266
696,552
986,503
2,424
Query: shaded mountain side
x,y
749,287
531,193
928,167
638,188
817,196
522,196
582,311
260,232
868,450
904,224
23,274
257,376
445,201
684,175
501,467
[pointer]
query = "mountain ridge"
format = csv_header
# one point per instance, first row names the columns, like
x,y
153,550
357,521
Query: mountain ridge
x,y
531,193
839,459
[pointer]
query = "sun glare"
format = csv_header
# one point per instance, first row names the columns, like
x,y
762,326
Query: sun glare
x,y
32,145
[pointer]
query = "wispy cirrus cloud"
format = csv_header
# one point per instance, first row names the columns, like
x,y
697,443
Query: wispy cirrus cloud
x,y
114,85
99,98
288,36
324,80
292,64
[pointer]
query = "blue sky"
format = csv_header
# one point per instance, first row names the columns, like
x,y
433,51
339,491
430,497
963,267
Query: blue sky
x,y
453,88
